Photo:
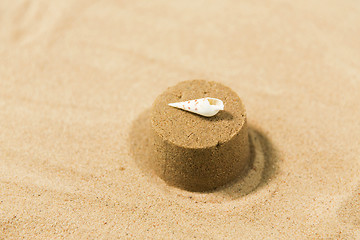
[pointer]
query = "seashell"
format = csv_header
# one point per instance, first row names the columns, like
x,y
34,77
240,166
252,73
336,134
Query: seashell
x,y
207,107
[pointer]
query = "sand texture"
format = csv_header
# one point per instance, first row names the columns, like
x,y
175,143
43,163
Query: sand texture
x,y
77,80
194,152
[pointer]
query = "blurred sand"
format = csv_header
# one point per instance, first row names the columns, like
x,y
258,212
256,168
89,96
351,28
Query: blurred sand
x,y
75,75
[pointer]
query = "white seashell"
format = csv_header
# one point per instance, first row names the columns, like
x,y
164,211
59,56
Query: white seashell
x,y
207,107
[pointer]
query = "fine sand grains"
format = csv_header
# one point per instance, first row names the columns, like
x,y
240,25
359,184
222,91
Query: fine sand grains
x,y
195,152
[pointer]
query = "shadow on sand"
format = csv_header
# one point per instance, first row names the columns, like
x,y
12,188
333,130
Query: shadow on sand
x,y
262,169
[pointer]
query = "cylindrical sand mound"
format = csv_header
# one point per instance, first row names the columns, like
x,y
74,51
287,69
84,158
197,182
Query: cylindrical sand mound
x,y
193,152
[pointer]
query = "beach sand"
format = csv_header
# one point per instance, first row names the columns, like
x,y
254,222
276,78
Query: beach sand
x,y
190,151
77,79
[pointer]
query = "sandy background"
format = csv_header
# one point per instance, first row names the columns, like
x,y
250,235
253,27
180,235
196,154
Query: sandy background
x,y
75,75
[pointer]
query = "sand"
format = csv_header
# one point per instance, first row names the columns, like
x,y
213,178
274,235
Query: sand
x,y
76,75
193,152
